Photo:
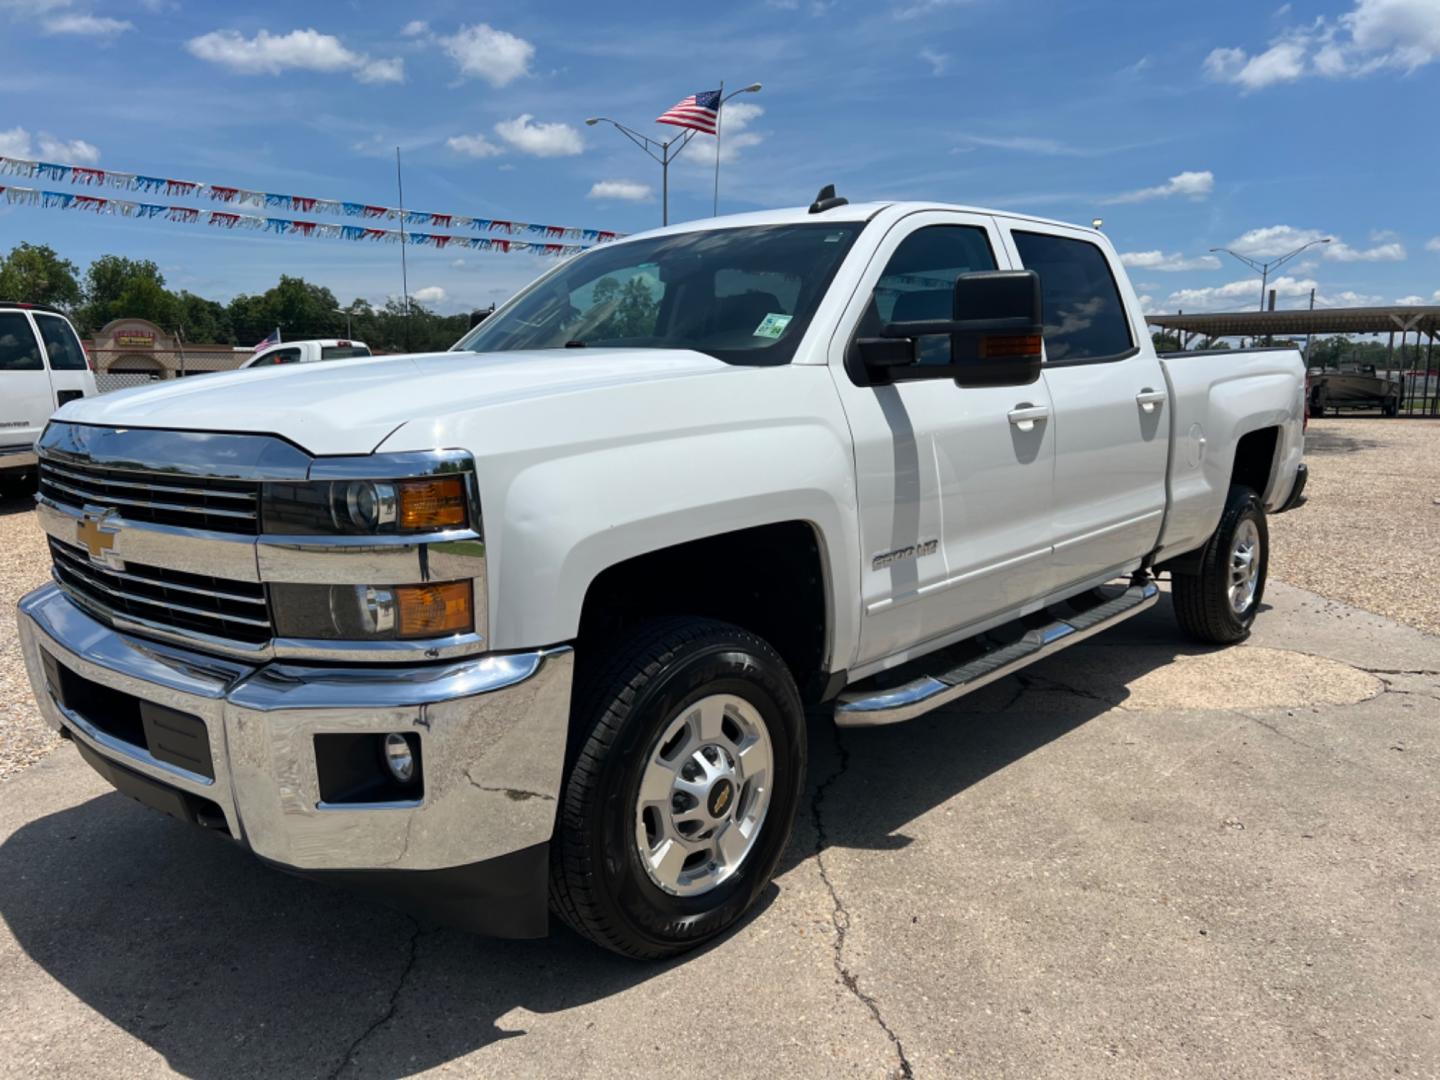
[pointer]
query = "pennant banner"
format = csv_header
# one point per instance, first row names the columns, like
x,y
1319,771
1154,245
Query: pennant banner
x,y
227,219
160,185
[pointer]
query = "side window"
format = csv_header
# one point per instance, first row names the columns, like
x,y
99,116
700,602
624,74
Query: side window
x,y
18,348
919,281
61,344
1084,317
281,356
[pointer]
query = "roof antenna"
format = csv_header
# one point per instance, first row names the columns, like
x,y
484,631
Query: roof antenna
x,y
827,200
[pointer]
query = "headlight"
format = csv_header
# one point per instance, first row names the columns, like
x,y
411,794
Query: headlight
x,y
373,612
364,507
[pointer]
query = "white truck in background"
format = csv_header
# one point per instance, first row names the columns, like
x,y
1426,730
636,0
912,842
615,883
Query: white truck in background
x,y
42,366
532,622
307,352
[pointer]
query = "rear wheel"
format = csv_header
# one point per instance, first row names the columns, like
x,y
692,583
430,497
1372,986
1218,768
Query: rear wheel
x,y
680,798
1217,602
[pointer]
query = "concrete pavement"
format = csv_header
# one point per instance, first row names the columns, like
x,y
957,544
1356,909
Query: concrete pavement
x,y
1137,859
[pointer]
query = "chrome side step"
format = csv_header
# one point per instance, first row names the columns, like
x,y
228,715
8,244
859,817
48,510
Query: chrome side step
x,y
891,705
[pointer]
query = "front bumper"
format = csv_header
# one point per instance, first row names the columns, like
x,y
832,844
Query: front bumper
x,y
19,456
492,732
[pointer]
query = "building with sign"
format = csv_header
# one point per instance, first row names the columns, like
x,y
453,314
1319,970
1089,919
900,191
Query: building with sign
x,y
137,347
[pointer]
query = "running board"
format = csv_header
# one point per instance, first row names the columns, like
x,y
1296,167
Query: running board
x,y
891,705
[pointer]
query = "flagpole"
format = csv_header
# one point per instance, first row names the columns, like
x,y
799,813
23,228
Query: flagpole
x,y
404,272
719,108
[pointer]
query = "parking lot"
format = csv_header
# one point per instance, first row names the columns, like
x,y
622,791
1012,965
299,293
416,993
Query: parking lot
x,y
1138,858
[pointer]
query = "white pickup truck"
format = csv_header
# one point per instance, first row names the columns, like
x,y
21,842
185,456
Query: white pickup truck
x,y
535,622
307,352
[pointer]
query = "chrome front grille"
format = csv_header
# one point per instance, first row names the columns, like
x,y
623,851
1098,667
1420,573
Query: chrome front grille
x,y
197,502
166,599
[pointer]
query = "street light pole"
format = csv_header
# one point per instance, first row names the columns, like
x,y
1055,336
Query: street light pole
x,y
666,154
753,88
1264,268
346,313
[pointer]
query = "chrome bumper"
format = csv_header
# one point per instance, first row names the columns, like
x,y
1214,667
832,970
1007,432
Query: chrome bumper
x,y
492,732
21,456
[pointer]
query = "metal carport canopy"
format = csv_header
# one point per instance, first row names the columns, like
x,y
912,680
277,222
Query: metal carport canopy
x,y
1340,320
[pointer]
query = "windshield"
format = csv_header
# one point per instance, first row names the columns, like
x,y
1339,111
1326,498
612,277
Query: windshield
x,y
743,295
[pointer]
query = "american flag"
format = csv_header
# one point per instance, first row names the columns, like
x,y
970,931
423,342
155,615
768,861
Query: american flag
x,y
272,338
698,111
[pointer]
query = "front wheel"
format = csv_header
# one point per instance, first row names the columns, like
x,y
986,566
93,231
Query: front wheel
x,y
680,799
1217,602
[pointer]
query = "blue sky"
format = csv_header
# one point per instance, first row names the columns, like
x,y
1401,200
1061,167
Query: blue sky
x,y
1185,126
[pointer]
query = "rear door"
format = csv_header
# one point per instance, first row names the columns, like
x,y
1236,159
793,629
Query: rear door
x,y
954,486
1112,420
26,401
70,375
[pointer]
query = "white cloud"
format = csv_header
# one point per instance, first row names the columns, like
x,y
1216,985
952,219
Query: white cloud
x,y
937,60
302,50
1191,185
1244,295
1028,144
1433,244
735,136
87,25
1280,239
542,140
481,51
415,28
430,294
1169,263
1410,300
16,142
382,71
476,146
623,190
1339,251
916,8
1374,35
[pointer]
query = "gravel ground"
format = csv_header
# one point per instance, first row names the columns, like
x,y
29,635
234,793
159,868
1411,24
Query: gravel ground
x,y
1368,537
24,738
1370,534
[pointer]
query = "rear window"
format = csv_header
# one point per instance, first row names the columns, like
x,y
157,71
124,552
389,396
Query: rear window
x,y
343,352
61,344
1084,316
18,349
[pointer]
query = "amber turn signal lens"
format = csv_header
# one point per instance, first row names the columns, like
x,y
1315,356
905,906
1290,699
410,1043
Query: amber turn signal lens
x,y
1009,346
431,504
432,610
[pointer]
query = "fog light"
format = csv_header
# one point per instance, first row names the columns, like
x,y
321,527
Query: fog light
x,y
398,758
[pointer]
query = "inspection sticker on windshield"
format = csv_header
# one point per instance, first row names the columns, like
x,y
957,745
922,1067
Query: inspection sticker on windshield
x,y
772,326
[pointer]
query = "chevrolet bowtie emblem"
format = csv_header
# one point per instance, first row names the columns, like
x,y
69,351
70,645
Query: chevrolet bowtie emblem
x,y
90,531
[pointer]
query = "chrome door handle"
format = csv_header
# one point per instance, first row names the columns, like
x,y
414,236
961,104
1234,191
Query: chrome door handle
x,y
1024,417
1149,399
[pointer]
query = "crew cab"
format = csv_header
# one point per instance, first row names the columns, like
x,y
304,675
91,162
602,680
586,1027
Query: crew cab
x,y
42,366
307,352
533,623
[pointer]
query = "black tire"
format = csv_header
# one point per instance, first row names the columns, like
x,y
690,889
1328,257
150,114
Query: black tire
x,y
1202,598
622,706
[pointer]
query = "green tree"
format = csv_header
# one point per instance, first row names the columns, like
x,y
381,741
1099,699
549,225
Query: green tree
x,y
1166,341
203,320
121,288
300,309
35,274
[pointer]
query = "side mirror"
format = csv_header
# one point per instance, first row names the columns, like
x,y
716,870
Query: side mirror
x,y
996,335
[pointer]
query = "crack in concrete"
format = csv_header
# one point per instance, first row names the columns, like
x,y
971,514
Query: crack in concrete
x,y
390,1007
840,916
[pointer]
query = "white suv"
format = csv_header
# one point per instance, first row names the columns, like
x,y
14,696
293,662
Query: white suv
x,y
42,366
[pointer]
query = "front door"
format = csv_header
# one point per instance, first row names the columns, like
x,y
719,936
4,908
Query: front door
x,y
954,484
25,399
1112,419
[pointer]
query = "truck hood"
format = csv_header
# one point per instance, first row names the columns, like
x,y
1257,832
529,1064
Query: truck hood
x,y
350,406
